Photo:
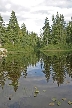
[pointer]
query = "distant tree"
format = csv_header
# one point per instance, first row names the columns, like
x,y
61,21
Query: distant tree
x,y
46,32
58,29
23,29
63,33
33,39
41,38
69,32
24,38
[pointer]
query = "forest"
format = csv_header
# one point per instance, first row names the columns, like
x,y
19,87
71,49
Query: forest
x,y
57,36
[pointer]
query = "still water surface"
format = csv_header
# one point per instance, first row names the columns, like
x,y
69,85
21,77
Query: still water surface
x,y
48,74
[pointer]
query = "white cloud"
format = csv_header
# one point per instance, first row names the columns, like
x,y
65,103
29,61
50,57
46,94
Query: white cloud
x,y
33,12
8,6
6,13
27,3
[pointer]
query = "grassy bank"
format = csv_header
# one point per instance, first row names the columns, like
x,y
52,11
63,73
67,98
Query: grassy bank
x,y
57,47
18,48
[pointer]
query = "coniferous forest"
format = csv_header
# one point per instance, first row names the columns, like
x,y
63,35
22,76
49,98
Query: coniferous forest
x,y
57,36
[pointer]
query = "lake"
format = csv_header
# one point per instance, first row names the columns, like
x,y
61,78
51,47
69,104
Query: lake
x,y
36,80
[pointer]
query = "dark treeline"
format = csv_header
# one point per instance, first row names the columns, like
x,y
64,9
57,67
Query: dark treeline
x,y
58,35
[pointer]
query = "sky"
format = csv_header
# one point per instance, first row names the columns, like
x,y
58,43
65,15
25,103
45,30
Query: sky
x,y
34,12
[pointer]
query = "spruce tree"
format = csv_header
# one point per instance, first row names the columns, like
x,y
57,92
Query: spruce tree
x,y
2,31
69,32
46,32
13,28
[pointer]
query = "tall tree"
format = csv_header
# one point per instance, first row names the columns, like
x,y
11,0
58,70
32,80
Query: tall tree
x,y
46,32
69,32
63,32
23,29
58,29
24,38
13,28
2,31
33,39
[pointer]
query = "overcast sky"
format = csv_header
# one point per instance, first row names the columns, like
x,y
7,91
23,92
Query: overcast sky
x,y
34,12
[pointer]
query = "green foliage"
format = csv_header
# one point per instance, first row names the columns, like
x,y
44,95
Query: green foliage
x,y
23,29
57,47
46,32
2,31
58,36
57,60
13,29
15,64
15,38
69,32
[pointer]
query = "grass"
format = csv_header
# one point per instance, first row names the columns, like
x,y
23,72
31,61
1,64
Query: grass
x,y
18,48
57,47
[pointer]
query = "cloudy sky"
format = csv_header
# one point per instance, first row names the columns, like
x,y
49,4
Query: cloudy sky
x,y
34,12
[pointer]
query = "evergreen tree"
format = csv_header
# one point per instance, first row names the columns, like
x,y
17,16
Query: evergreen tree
x,y
25,37
33,39
59,33
23,29
46,32
63,32
13,28
2,31
69,32
58,29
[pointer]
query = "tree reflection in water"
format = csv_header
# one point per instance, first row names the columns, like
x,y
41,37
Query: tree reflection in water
x,y
56,65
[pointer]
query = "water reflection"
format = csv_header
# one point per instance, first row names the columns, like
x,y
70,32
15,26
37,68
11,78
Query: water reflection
x,y
58,66
55,66
15,65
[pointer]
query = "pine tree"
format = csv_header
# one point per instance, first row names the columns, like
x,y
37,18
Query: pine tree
x,y
23,29
2,31
69,32
58,29
63,32
33,39
13,28
24,38
46,32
